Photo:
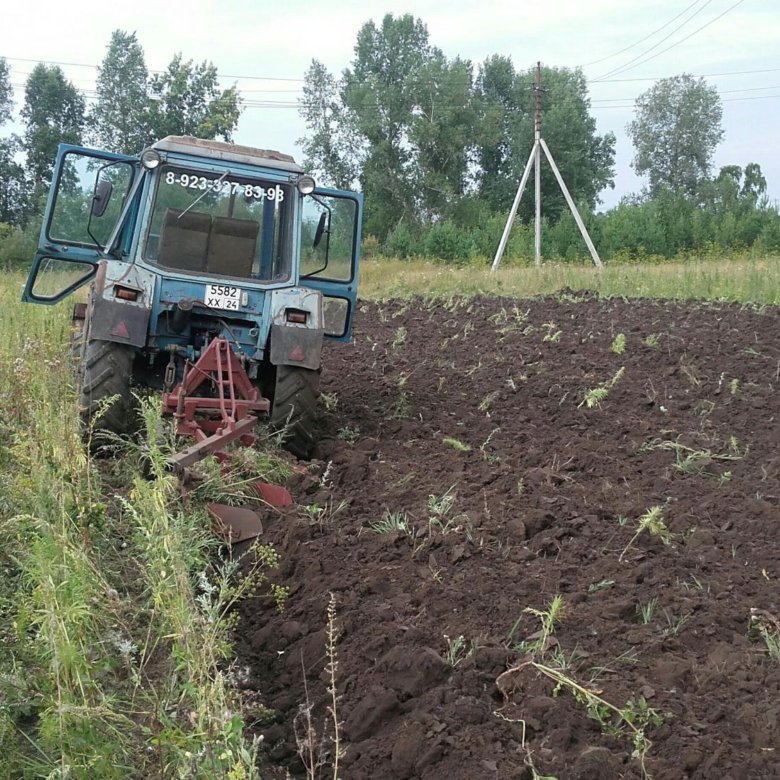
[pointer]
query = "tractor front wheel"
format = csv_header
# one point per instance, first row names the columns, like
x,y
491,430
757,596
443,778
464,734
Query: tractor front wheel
x,y
294,408
104,372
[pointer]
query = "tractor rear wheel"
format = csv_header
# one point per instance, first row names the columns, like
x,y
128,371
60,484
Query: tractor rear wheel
x,y
77,352
104,371
294,408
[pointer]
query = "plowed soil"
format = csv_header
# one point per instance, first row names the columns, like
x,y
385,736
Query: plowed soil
x,y
463,478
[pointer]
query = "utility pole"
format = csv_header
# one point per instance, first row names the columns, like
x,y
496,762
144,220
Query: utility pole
x,y
538,165
535,159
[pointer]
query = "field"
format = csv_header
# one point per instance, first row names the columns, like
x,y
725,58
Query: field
x,y
585,492
539,540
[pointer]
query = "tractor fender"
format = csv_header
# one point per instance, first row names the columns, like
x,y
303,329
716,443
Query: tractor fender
x,y
300,347
117,321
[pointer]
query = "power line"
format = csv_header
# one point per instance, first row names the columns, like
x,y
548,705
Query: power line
x,y
280,104
277,104
91,94
17,72
629,66
49,62
698,76
595,103
752,97
624,66
725,100
649,35
155,72
275,78
720,92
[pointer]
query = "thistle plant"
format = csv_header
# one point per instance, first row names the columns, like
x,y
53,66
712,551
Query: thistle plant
x,y
456,444
596,395
392,523
548,618
631,721
618,345
651,522
459,649
647,610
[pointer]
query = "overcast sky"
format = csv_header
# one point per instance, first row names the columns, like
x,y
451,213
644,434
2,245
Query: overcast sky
x,y
269,45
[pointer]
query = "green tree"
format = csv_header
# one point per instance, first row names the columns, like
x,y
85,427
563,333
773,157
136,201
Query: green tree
x,y
733,207
186,100
6,92
441,133
753,184
381,92
332,150
502,150
426,139
120,117
13,185
675,133
53,113
507,103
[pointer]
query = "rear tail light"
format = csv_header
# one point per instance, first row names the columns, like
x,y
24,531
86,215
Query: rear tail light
x,y
126,293
296,316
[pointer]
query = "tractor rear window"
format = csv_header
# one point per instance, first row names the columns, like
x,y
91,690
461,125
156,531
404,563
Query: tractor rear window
x,y
224,225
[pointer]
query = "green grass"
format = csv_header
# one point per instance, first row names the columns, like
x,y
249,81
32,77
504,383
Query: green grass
x,y
114,602
741,279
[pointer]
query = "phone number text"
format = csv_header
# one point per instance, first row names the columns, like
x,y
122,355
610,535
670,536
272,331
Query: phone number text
x,y
225,187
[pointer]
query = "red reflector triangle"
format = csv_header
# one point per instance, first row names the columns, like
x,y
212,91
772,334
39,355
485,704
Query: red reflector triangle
x,y
121,331
297,354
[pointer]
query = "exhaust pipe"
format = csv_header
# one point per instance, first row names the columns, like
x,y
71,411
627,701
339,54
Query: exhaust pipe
x,y
181,315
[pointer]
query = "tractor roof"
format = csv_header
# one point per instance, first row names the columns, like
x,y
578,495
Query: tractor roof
x,y
220,150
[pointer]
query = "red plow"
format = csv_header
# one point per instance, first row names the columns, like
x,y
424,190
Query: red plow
x,y
216,404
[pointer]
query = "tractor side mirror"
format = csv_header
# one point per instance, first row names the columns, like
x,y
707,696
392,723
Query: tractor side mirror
x,y
320,229
101,197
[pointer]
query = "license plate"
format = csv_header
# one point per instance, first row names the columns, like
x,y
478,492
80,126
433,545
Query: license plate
x,y
223,296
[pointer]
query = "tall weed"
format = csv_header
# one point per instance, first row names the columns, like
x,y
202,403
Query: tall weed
x,y
116,606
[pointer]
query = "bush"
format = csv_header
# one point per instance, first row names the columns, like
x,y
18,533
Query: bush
x,y
401,242
769,239
17,247
369,247
446,241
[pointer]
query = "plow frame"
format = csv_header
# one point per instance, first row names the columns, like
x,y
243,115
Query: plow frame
x,y
217,420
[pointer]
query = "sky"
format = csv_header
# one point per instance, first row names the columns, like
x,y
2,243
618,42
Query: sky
x,y
265,48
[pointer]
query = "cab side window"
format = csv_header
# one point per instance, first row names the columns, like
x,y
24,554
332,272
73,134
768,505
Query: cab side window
x,y
89,199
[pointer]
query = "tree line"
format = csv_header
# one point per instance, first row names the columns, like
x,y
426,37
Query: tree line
x,y
428,138
438,146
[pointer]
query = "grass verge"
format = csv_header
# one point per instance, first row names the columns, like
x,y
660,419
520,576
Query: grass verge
x,y
115,600
738,279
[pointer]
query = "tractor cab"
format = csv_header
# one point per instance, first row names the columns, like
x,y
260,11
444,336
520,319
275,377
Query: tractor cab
x,y
188,208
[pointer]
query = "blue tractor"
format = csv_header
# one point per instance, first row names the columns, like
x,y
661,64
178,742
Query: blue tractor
x,y
194,243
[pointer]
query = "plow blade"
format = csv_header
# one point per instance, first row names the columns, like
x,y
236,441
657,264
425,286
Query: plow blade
x,y
275,495
235,523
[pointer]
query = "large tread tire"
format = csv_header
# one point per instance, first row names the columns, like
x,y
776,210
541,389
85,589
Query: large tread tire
x,y
294,409
105,370
77,353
